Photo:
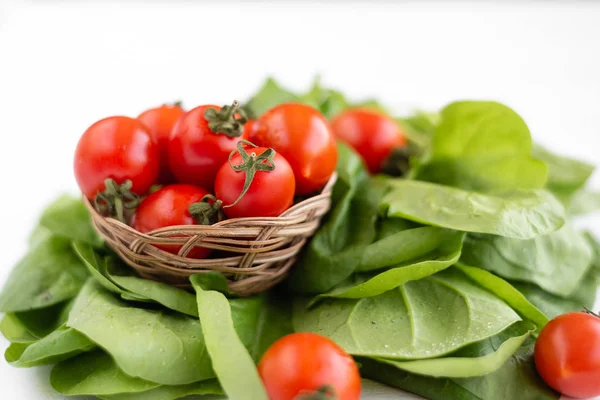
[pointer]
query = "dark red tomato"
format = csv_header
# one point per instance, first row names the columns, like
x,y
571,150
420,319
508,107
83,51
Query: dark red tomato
x,y
372,134
160,122
120,148
567,354
303,136
168,206
304,362
195,152
269,194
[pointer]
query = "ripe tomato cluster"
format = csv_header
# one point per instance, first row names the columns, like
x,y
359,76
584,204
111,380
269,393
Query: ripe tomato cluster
x,y
171,167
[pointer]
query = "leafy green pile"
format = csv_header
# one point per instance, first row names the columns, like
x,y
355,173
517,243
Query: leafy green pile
x,y
436,283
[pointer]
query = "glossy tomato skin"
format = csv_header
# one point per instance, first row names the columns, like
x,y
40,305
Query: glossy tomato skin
x,y
120,148
372,134
306,362
269,194
168,206
160,122
567,354
303,136
195,152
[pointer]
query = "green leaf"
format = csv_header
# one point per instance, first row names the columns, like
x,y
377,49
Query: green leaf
x,y
583,202
516,379
172,392
59,345
95,374
506,292
156,345
565,175
482,145
519,214
268,96
43,321
556,262
15,331
232,363
369,284
49,273
430,317
68,217
335,250
477,359
96,265
212,280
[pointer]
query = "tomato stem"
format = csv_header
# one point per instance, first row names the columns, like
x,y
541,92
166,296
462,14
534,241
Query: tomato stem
x,y
588,311
207,211
325,392
224,121
115,199
397,162
251,163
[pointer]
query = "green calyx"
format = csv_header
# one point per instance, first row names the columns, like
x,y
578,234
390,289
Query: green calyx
x,y
224,121
325,392
115,199
207,211
397,162
251,163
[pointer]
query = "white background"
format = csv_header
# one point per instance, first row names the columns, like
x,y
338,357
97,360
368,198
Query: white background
x,y
66,64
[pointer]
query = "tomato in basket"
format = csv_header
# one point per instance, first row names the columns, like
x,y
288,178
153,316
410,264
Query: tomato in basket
x,y
169,206
256,182
160,122
303,136
201,142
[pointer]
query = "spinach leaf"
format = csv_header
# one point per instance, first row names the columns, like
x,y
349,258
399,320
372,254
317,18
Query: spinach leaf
x,y
43,321
171,392
231,362
565,175
68,217
59,345
15,331
335,250
156,345
506,292
261,320
430,317
477,359
482,145
49,273
519,214
212,280
369,284
516,379
96,374
96,265
556,262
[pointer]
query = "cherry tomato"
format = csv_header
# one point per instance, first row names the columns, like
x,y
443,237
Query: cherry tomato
x,y
160,122
168,206
304,362
567,354
120,148
269,194
372,134
195,152
249,127
303,136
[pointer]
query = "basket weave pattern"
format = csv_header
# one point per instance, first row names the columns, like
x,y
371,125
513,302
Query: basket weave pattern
x,y
258,251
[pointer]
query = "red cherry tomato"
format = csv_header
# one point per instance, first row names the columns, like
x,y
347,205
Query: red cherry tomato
x,y
195,152
249,127
160,122
303,136
269,194
304,362
168,206
120,148
372,134
567,354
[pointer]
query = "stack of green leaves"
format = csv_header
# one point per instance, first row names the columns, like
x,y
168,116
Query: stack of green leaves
x,y
437,283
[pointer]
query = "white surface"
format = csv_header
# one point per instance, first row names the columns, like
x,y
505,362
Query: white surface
x,y
64,65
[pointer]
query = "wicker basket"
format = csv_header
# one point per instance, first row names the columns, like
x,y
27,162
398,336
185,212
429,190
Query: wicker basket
x,y
259,251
